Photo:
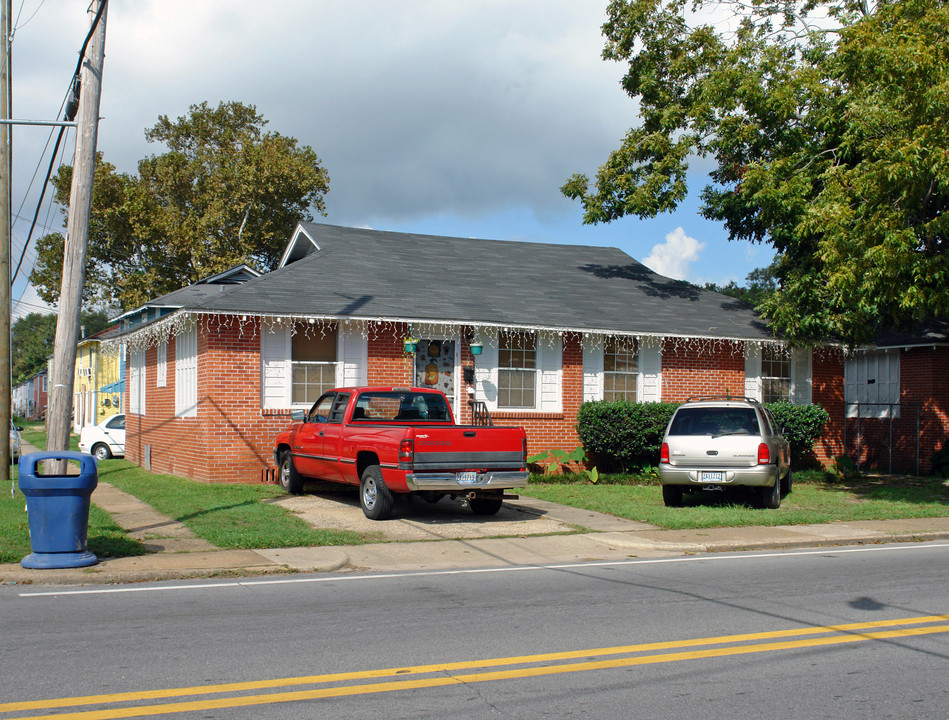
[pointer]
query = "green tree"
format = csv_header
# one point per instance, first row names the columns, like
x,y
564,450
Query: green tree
x,y
225,192
760,285
827,123
32,336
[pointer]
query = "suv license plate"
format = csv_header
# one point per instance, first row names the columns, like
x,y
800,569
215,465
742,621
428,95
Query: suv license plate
x,y
712,477
467,478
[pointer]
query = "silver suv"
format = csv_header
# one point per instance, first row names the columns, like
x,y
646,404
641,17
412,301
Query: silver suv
x,y
711,444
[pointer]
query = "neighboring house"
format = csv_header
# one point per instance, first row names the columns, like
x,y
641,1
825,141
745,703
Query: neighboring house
x,y
215,370
897,400
99,381
30,397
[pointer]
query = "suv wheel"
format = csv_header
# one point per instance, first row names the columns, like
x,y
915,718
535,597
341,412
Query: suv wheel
x,y
672,495
786,484
769,497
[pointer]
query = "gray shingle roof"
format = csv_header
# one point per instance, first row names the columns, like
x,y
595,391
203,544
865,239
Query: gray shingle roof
x,y
370,274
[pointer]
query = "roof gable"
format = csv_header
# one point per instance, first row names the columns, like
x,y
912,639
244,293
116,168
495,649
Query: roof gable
x,y
300,245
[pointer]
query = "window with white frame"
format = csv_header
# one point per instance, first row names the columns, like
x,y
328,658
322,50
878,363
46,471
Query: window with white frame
x,y
775,375
313,361
136,388
162,364
517,370
186,373
620,369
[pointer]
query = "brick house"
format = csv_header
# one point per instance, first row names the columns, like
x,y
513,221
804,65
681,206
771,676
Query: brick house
x,y
531,330
897,400
31,397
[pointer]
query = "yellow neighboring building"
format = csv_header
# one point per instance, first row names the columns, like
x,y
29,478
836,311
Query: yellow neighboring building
x,y
99,386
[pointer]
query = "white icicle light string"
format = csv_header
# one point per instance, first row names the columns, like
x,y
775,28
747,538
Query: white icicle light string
x,y
375,328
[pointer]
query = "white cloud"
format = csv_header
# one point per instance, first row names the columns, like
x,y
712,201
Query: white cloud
x,y
675,257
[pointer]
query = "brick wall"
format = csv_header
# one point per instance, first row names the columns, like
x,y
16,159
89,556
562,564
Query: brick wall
x,y
231,438
702,370
827,390
905,441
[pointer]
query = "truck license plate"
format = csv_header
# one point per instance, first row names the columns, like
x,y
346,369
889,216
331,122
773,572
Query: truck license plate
x,y
712,477
467,478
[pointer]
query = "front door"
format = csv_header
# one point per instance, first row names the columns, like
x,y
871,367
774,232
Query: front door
x,y
435,367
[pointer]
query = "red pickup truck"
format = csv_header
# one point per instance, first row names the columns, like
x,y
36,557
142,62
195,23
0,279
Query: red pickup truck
x,y
400,440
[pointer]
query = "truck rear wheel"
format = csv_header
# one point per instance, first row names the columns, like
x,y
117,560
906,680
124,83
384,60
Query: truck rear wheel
x,y
485,505
290,479
374,497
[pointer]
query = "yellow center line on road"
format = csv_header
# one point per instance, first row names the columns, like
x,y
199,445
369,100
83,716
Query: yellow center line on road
x,y
850,633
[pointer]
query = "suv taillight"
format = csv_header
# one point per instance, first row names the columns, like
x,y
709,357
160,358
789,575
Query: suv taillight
x,y
664,453
406,452
764,454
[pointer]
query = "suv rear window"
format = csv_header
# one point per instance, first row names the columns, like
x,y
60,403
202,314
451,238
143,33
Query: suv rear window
x,y
714,421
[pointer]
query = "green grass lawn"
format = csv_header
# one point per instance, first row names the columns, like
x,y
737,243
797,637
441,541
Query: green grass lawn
x,y
229,516
104,538
813,500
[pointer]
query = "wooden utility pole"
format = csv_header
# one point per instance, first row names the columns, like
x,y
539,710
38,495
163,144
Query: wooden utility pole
x,y
62,376
6,238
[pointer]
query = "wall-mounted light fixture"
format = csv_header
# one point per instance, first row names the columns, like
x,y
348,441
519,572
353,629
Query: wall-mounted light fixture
x,y
410,342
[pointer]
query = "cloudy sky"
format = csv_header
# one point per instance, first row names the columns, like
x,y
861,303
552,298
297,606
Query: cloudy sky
x,y
449,118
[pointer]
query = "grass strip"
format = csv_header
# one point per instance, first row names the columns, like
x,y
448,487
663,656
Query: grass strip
x,y
104,538
229,516
809,503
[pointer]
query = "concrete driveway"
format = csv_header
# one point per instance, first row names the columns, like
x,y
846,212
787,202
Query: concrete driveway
x,y
327,505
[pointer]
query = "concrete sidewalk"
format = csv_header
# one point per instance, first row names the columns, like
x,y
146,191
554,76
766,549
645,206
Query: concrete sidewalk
x,y
431,537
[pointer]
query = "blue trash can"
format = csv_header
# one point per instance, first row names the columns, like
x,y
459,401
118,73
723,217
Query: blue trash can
x,y
58,509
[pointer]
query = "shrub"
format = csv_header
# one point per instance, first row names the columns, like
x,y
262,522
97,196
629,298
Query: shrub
x,y
941,461
800,424
623,435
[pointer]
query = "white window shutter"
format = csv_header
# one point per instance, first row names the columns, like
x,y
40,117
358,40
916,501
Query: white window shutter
x,y
753,371
550,362
592,368
486,371
650,373
186,373
137,382
275,383
162,364
801,376
352,351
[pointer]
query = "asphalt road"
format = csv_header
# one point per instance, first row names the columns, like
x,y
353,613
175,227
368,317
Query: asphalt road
x,y
824,633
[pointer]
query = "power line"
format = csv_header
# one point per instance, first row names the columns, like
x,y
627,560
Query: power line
x,y
72,104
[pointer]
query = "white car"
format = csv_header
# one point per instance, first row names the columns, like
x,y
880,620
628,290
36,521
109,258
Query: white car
x,y
14,441
105,440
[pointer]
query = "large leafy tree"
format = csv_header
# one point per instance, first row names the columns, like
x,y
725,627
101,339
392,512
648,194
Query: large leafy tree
x,y
225,192
828,127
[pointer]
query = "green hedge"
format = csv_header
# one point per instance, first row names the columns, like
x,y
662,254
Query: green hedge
x,y
621,436
800,424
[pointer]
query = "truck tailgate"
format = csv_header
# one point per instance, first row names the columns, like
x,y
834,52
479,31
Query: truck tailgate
x,y
464,448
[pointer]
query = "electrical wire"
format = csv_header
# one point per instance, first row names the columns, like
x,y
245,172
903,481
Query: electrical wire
x,y
74,90
39,204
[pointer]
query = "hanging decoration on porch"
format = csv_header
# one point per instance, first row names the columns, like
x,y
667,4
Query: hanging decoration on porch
x,y
481,334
